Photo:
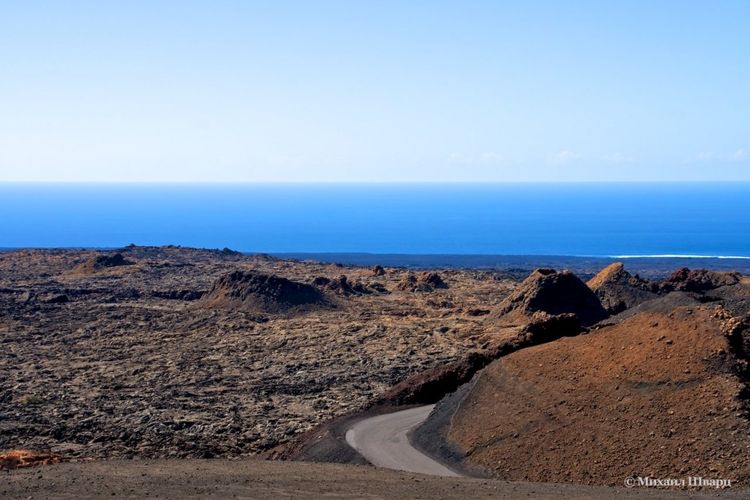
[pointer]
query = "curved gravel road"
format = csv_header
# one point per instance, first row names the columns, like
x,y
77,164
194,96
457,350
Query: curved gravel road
x,y
383,441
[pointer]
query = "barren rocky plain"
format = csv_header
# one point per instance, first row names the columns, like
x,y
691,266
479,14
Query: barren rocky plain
x,y
177,353
123,354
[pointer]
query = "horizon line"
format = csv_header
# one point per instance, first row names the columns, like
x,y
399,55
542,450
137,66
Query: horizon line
x,y
349,182
311,253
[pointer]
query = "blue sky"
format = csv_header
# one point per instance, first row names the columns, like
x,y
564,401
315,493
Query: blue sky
x,y
374,91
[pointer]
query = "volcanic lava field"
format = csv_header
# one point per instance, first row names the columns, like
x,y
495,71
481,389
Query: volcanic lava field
x,y
171,352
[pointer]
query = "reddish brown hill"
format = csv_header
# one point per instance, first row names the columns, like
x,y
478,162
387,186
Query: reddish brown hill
x,y
618,290
551,292
613,272
656,395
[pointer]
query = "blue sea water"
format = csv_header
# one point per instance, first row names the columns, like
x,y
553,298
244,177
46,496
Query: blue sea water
x,y
502,219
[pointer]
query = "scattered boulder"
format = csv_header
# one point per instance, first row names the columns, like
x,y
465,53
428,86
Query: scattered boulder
x,y
257,292
551,292
422,282
698,280
378,271
618,290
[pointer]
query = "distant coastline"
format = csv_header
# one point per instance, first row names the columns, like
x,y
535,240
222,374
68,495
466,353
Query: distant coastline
x,y
678,256
655,266
651,266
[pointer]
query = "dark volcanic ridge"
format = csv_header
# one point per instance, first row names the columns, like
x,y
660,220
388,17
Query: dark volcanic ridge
x,y
699,280
653,268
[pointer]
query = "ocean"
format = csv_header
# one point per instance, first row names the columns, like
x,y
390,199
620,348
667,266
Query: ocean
x,y
687,219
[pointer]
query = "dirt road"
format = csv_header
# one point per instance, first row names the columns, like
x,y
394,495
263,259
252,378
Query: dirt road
x,y
383,441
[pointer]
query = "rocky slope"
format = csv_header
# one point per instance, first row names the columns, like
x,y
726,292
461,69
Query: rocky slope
x,y
659,390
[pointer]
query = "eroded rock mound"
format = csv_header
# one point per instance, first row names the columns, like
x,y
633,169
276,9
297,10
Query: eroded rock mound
x,y
101,262
258,292
551,292
618,290
614,272
699,280
422,282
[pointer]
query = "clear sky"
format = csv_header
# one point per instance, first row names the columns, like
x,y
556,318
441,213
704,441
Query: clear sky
x,y
374,91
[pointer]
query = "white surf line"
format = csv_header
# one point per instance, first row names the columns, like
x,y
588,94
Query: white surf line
x,y
383,441
678,256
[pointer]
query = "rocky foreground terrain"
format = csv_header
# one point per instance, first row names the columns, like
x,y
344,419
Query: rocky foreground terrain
x,y
182,353
176,352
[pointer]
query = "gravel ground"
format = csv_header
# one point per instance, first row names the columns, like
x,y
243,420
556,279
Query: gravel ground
x,y
258,479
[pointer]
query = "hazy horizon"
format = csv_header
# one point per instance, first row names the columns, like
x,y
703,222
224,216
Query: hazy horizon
x,y
333,92
368,183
